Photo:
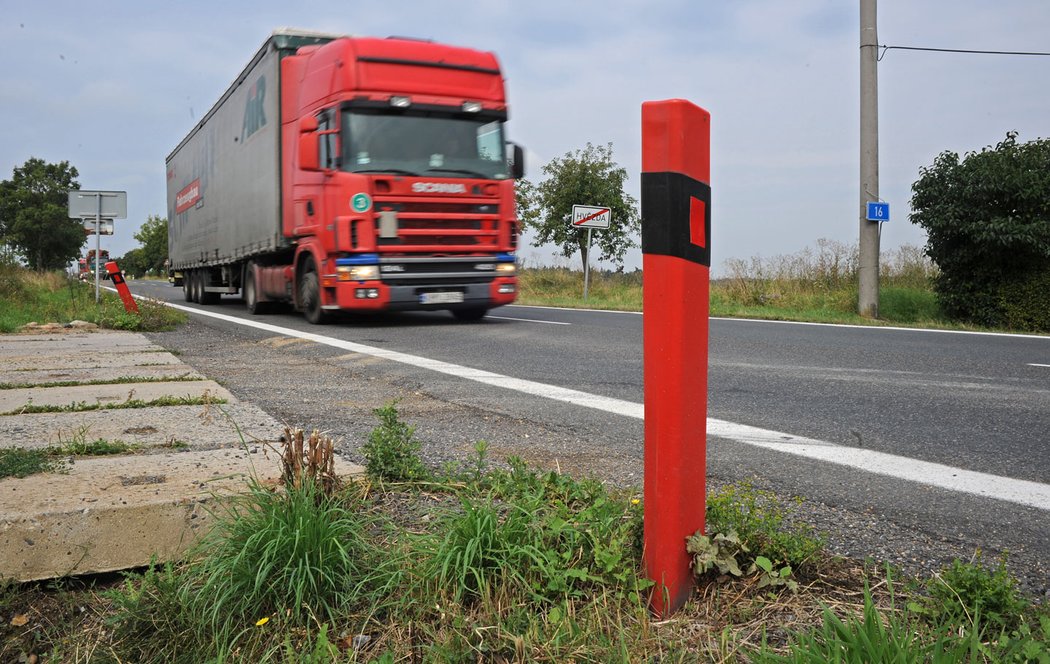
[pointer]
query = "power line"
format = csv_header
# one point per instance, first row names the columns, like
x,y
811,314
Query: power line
x,y
883,48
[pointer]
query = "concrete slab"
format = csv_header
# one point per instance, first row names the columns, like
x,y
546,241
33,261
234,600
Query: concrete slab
x,y
109,514
86,359
12,401
76,374
198,427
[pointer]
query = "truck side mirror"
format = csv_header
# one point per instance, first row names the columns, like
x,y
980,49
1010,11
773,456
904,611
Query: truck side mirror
x,y
517,161
308,145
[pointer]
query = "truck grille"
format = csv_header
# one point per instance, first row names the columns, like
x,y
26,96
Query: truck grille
x,y
444,226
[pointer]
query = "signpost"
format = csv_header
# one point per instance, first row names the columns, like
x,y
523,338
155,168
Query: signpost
x,y
590,217
98,205
676,260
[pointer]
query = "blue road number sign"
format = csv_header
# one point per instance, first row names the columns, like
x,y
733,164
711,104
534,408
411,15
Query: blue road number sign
x,y
878,212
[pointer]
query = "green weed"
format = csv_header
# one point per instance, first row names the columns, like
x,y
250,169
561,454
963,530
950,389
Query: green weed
x,y
873,637
20,462
392,451
962,591
83,406
760,521
291,555
122,380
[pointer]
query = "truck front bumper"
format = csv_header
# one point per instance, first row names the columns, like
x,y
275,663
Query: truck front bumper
x,y
377,296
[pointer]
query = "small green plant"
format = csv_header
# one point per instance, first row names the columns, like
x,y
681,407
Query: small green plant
x,y
760,520
79,445
961,591
84,406
21,462
771,576
294,553
392,451
483,551
717,552
874,636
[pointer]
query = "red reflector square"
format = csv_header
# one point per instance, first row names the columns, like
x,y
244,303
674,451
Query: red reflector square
x,y
697,227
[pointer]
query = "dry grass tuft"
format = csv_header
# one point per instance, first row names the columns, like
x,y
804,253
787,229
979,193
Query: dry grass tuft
x,y
308,460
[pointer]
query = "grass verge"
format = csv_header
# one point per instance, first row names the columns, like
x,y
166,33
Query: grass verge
x,y
814,285
54,297
503,564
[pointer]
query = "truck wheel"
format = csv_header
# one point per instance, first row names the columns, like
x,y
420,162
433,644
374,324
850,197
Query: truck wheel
x,y
205,297
195,286
251,295
476,313
187,292
310,295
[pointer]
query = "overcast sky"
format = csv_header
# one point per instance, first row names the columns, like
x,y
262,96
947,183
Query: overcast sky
x,y
112,87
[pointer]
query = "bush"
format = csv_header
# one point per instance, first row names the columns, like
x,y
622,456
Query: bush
x,y
986,219
1025,303
392,451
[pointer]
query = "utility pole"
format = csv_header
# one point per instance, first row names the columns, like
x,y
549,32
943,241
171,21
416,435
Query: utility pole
x,y
868,295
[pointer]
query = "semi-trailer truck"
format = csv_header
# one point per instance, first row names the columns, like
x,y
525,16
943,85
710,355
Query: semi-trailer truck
x,y
354,174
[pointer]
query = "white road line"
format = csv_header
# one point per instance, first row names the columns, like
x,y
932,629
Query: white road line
x,y
530,320
890,328
1022,492
1040,365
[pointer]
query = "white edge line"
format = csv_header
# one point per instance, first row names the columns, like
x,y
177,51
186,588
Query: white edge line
x,y
1022,492
530,320
1009,335
1040,365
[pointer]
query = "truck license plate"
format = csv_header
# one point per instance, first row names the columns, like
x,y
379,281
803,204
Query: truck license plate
x,y
440,298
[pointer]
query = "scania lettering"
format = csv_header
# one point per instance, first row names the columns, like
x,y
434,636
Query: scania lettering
x,y
350,174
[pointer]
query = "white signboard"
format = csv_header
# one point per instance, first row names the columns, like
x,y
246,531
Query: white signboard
x,y
589,216
85,203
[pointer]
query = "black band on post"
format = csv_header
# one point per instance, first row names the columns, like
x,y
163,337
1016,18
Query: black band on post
x,y
666,205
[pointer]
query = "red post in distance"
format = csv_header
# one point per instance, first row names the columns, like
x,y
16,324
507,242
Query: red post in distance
x,y
117,277
676,261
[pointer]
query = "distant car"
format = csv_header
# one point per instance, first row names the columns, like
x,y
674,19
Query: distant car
x,y
174,277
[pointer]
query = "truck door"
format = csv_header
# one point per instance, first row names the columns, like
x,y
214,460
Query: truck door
x,y
311,207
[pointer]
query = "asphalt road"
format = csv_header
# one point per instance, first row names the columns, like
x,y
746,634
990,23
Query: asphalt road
x,y
969,402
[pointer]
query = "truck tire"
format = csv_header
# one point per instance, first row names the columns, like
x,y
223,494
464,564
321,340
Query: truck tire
x,y
472,314
205,296
251,294
195,286
310,295
187,291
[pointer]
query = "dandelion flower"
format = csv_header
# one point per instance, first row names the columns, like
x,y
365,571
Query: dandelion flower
x,y
262,621
635,501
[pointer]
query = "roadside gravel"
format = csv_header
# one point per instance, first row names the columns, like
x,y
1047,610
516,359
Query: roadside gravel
x,y
315,387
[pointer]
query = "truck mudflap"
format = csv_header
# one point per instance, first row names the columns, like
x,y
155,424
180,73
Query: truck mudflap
x,y
375,295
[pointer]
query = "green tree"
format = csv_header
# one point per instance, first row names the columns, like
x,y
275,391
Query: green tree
x,y
987,219
34,214
134,262
584,177
153,236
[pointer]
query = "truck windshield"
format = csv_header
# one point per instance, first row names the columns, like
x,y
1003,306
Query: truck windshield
x,y
423,144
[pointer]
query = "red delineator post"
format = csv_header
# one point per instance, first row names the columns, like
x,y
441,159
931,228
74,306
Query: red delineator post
x,y
122,287
676,260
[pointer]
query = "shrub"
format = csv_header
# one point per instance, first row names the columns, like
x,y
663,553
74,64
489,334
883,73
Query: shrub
x,y
392,451
986,222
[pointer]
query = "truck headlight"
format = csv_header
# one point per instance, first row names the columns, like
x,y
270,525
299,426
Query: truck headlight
x,y
357,272
506,268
